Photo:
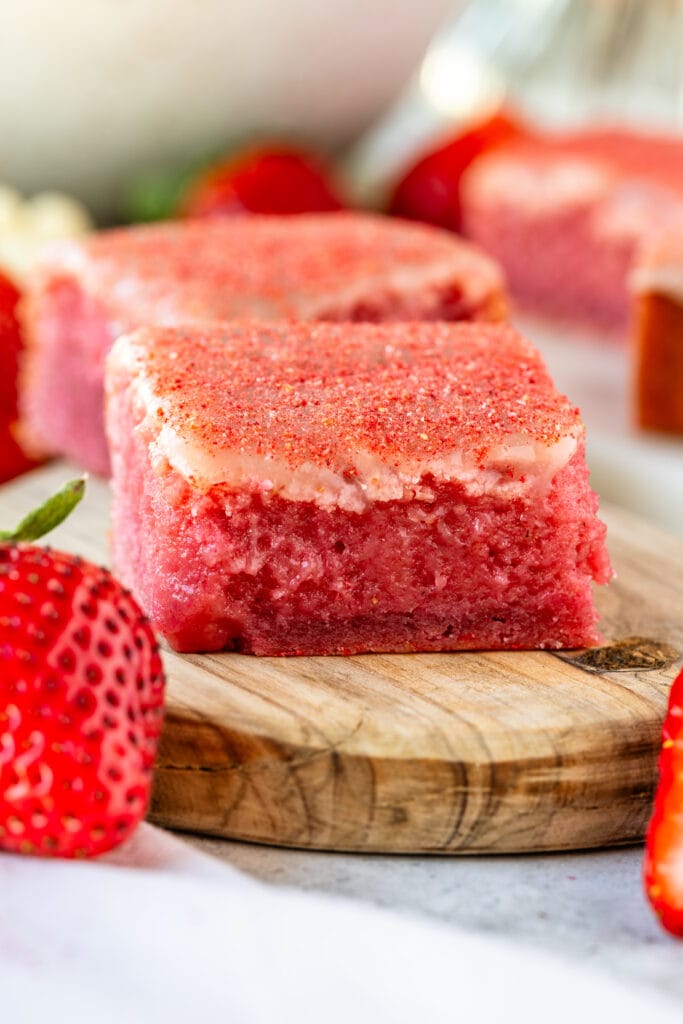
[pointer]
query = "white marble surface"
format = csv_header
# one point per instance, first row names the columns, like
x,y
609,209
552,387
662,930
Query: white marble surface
x,y
587,906
154,931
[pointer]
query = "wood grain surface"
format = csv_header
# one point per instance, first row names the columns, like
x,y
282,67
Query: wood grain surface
x,y
438,753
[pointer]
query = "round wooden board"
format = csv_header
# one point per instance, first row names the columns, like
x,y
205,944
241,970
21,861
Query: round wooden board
x,y
437,753
450,753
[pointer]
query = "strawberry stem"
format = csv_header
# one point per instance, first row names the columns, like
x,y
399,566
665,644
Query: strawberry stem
x,y
49,515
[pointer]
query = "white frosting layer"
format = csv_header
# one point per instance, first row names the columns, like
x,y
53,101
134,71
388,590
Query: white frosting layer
x,y
538,188
664,278
482,278
449,265
631,209
510,470
517,467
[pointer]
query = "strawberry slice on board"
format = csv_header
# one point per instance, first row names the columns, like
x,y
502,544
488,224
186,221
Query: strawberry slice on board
x,y
262,180
664,844
430,190
81,697
13,460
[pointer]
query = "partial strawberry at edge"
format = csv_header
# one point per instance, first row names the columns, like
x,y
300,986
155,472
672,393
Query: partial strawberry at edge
x,y
81,696
13,460
261,180
430,190
663,867
81,693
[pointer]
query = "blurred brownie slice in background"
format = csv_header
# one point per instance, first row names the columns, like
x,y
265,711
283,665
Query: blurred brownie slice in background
x,y
347,266
658,330
568,215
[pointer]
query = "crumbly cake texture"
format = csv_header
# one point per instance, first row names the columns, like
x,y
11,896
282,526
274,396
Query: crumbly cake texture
x,y
346,266
584,205
658,335
331,489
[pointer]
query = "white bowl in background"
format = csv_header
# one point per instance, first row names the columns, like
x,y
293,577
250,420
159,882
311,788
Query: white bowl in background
x,y
92,91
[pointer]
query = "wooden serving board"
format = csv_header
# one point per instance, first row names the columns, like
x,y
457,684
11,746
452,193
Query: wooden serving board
x,y
430,753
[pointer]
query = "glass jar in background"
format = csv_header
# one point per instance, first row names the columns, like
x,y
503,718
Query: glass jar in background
x,y
559,63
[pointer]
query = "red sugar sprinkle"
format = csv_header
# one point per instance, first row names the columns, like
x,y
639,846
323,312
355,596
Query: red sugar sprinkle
x,y
270,267
652,160
316,392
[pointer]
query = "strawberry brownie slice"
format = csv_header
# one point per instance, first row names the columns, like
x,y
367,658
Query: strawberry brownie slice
x,y
320,488
657,284
346,266
568,215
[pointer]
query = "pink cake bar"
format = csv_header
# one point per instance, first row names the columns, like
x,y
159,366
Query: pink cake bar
x,y
567,217
348,266
657,284
331,489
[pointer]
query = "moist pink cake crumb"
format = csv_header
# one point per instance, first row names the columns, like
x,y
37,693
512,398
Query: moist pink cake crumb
x,y
333,489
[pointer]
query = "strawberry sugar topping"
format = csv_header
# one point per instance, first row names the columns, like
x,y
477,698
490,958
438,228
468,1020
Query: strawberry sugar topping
x,y
266,266
649,160
316,392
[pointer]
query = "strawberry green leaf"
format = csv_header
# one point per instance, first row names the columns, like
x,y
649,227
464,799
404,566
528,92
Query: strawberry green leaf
x,y
49,515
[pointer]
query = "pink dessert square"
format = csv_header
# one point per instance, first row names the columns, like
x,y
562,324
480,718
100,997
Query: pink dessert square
x,y
347,266
337,488
657,284
567,217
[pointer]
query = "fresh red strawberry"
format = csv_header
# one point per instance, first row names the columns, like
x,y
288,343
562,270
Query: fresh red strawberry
x,y
13,461
430,190
664,847
81,695
261,180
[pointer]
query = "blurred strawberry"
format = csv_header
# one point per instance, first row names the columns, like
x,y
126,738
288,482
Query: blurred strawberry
x,y
430,190
13,461
664,850
261,180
